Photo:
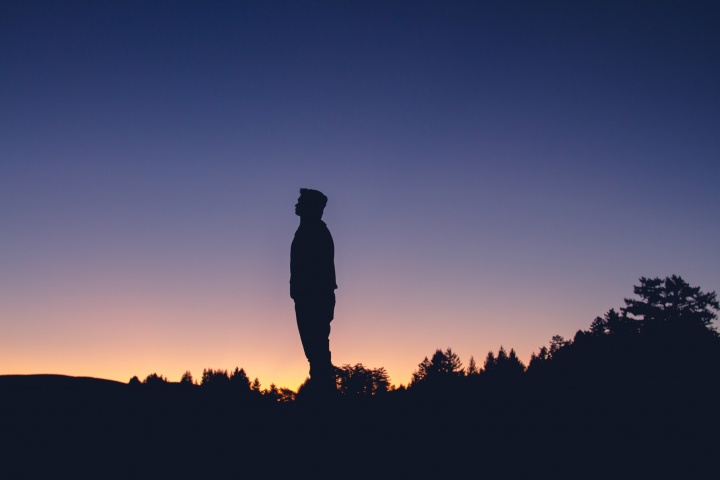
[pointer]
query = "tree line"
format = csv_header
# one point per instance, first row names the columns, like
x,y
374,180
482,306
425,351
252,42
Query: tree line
x,y
665,332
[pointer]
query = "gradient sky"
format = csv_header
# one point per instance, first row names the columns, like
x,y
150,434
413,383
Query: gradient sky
x,y
497,173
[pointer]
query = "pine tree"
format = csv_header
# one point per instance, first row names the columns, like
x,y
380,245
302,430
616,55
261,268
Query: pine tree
x,y
187,378
472,368
672,302
240,380
214,378
443,365
155,379
255,387
490,362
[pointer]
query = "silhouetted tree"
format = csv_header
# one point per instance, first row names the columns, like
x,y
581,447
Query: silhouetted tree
x,y
272,394
557,342
672,301
380,381
505,365
355,381
490,362
255,387
665,337
537,362
214,378
442,366
472,368
187,378
422,371
239,380
155,379
358,381
542,355
286,395
612,323
501,356
303,388
134,381
514,365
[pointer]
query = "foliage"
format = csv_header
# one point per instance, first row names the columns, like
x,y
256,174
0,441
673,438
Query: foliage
x,y
556,343
442,366
155,379
540,360
187,378
255,387
641,341
672,302
359,381
505,365
239,380
613,323
490,362
214,378
278,395
472,368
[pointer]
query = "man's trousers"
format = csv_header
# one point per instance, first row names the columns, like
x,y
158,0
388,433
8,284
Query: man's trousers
x,y
314,314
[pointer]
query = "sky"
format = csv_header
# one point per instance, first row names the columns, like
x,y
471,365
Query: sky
x,y
497,173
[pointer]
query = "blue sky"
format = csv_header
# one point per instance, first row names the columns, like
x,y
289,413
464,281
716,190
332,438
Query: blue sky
x,y
497,174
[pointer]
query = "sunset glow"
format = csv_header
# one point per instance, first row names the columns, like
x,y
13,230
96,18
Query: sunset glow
x,y
496,175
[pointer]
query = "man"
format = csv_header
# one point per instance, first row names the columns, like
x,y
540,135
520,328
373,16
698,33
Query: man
x,y
312,287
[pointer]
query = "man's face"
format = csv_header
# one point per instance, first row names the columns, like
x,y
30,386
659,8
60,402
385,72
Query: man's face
x,y
299,207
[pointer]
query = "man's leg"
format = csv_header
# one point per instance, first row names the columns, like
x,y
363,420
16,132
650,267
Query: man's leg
x,y
314,314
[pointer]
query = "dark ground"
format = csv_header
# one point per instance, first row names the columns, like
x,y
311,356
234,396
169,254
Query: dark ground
x,y
66,427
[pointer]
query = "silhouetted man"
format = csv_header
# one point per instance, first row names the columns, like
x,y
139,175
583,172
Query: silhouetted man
x,y
312,286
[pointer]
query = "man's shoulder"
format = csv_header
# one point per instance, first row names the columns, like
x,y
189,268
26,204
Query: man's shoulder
x,y
310,227
313,232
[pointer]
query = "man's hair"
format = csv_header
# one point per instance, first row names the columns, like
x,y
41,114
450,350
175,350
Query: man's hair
x,y
314,198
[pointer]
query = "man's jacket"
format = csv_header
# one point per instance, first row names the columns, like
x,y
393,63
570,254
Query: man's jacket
x,y
312,260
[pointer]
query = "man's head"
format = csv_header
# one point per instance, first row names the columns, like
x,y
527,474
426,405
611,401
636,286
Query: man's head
x,y
310,204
